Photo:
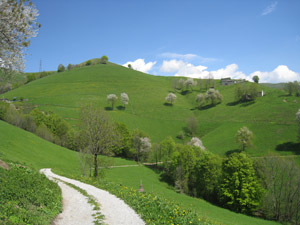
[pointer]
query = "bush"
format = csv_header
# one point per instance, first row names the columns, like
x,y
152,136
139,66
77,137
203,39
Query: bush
x,y
104,59
88,63
27,197
245,92
61,68
3,109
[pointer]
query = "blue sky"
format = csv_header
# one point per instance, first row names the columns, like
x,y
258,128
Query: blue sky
x,y
163,37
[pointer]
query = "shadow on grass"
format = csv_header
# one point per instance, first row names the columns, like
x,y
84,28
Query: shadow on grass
x,y
185,92
168,104
120,107
228,153
242,104
289,146
163,177
108,108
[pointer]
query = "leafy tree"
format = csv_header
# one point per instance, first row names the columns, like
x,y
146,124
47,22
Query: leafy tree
x,y
239,188
206,175
123,149
104,59
244,137
183,161
61,68
141,144
213,96
200,83
124,99
255,79
200,99
192,125
97,132
245,93
171,98
112,98
167,147
88,63
293,88
129,66
70,66
17,26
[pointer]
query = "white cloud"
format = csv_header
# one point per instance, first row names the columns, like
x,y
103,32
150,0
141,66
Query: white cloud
x,y
140,65
280,74
187,57
269,9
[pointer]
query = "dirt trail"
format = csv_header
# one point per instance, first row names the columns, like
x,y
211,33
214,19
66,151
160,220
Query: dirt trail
x,y
115,210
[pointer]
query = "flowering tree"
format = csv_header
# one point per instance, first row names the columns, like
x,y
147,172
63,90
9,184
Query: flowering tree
x,y
213,96
171,98
112,98
17,25
244,137
197,142
124,99
189,83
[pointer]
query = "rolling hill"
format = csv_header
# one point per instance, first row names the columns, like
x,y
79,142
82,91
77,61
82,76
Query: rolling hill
x,y
271,118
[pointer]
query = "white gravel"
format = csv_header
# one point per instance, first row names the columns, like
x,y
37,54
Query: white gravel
x,y
115,210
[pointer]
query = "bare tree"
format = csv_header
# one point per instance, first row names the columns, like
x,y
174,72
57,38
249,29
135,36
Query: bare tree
x,y
200,99
192,125
97,131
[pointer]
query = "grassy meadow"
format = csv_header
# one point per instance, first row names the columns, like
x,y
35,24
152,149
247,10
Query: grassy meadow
x,y
271,118
20,146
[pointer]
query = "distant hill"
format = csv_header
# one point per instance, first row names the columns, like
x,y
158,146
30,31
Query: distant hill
x,y
271,85
271,119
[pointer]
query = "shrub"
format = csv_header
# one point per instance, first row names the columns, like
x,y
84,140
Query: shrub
x,y
104,59
27,197
88,63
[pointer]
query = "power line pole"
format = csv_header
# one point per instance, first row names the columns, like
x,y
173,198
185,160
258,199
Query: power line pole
x,y
40,65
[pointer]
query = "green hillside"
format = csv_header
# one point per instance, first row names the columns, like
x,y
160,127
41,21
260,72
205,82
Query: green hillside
x,y
24,147
271,119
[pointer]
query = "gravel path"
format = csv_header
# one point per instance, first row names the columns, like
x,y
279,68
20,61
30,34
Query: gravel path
x,y
115,210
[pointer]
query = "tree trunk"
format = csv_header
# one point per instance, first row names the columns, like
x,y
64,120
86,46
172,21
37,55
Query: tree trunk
x,y
95,165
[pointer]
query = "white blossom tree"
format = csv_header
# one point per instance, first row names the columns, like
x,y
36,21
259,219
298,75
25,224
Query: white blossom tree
x,y
171,98
112,98
190,83
213,96
244,137
17,25
196,142
124,99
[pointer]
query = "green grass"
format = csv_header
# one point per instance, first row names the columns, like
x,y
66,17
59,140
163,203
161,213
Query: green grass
x,y
270,118
22,146
27,197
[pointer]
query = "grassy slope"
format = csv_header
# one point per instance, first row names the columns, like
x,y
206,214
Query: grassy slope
x,y
272,120
22,146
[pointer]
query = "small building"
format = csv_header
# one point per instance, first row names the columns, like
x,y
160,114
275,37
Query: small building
x,y
228,81
261,93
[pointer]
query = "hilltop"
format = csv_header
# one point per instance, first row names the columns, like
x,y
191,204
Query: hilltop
x,y
271,118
